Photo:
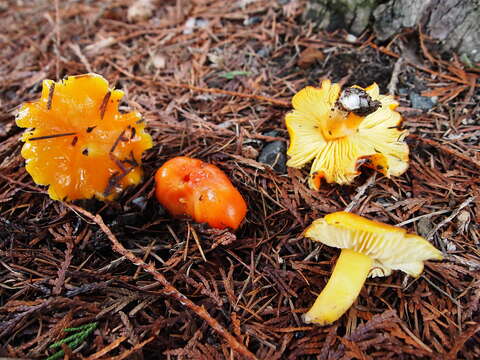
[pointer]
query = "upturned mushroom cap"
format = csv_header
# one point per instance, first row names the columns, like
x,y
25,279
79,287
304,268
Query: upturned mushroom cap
x,y
390,247
344,130
79,144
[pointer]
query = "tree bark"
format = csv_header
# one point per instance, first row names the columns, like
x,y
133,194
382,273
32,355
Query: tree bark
x,y
455,24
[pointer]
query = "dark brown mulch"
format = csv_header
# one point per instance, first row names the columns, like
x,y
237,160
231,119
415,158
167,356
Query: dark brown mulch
x,y
57,266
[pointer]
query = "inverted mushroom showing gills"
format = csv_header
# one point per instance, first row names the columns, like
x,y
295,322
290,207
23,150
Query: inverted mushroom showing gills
x,y
342,130
79,143
369,248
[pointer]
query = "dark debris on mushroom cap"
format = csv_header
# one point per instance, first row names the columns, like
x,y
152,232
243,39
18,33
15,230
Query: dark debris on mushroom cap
x,y
358,101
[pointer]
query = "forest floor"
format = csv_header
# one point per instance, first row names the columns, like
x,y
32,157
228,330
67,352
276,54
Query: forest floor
x,y
61,266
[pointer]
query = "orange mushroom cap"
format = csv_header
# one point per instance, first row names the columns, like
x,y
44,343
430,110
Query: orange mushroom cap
x,y
80,145
191,187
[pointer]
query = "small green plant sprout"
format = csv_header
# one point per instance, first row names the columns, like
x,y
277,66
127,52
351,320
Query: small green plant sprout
x,y
74,340
233,74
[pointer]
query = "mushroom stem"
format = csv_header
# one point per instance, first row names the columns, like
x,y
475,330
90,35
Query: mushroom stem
x,y
343,287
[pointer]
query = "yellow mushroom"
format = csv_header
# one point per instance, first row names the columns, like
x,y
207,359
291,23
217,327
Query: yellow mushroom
x,y
341,130
369,248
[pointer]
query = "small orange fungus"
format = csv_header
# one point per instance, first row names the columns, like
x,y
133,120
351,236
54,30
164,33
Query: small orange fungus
x,y
191,187
78,143
341,130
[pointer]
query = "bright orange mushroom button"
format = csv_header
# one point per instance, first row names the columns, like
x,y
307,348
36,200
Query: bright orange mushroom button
x,y
79,144
342,129
193,188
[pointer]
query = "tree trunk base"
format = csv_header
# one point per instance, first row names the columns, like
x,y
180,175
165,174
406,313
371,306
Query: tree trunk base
x,y
455,24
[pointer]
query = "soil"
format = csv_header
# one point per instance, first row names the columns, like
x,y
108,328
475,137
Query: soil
x,y
137,280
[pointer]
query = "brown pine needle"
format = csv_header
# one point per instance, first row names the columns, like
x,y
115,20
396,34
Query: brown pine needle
x,y
274,101
107,348
51,136
169,289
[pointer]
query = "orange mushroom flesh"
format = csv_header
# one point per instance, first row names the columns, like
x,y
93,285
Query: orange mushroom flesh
x,y
193,188
369,248
79,144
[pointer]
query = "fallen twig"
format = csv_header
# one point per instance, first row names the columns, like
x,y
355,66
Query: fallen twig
x,y
446,149
169,289
450,218
360,191
420,67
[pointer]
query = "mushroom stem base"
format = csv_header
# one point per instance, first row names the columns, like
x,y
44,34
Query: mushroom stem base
x,y
342,289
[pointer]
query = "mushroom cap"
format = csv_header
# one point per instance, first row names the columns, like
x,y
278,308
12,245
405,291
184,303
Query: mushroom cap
x,y
79,144
391,247
338,141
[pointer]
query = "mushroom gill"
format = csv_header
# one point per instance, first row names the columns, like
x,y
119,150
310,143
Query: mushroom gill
x,y
369,248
